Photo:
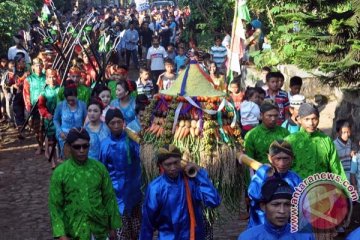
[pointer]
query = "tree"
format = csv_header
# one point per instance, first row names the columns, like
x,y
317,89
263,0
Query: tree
x,y
15,15
208,18
313,34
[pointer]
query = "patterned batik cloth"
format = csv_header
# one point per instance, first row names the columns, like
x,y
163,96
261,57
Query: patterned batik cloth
x,y
131,225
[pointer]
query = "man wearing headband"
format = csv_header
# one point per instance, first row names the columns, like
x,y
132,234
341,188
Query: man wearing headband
x,y
118,74
33,86
258,139
83,92
82,201
174,203
275,203
280,157
121,157
314,152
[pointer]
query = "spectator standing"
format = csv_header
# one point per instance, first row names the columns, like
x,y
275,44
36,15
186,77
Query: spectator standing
x,y
218,53
131,37
277,95
155,60
180,59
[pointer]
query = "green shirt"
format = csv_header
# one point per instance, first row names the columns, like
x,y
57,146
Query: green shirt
x,y
314,153
112,86
82,201
50,94
259,139
36,84
83,94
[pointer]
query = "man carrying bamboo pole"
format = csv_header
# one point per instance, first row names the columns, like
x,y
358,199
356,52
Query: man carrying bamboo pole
x,y
280,157
174,201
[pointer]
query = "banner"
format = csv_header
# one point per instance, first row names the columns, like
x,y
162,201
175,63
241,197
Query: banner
x,y
238,36
142,5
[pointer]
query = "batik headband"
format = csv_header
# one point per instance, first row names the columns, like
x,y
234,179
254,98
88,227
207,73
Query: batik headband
x,y
279,146
166,152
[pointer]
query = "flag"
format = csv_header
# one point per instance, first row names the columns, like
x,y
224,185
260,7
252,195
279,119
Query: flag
x,y
238,36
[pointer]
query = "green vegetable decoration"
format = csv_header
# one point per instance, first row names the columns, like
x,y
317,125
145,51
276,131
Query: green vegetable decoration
x,y
201,121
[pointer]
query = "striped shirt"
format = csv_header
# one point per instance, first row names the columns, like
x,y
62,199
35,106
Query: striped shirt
x,y
146,88
219,54
344,151
282,100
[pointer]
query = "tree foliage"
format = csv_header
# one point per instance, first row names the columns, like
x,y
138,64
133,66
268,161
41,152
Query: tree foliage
x,y
14,16
208,18
313,34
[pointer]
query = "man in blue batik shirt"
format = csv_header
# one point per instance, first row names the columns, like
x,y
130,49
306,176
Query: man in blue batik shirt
x,y
121,157
174,202
276,205
280,157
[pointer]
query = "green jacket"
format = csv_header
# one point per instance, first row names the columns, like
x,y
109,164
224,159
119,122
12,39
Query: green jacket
x,y
314,153
82,201
259,139
112,86
33,86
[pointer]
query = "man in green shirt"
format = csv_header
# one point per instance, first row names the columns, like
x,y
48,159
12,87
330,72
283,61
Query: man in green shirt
x,y
259,139
118,74
83,92
314,152
82,201
33,86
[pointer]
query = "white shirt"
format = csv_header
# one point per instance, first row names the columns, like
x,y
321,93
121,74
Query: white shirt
x,y
156,56
250,113
14,50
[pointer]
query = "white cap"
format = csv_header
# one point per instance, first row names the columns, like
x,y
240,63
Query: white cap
x,y
296,100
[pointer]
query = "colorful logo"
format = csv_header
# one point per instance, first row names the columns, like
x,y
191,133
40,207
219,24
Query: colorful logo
x,y
325,205
321,201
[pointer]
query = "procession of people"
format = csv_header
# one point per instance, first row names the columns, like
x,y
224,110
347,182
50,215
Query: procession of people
x,y
74,89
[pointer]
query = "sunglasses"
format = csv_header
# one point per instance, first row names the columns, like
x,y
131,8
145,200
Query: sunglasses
x,y
83,146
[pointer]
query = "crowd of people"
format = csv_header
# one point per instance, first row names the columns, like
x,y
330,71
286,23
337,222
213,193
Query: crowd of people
x,y
79,122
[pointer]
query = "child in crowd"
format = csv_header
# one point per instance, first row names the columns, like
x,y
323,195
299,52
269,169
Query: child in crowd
x,y
292,124
343,145
262,94
141,103
217,78
274,92
167,78
171,51
281,80
295,85
218,53
144,84
355,171
180,59
262,81
236,94
249,110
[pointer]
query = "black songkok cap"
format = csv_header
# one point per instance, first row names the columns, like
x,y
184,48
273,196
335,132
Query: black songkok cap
x,y
112,113
76,133
307,109
275,188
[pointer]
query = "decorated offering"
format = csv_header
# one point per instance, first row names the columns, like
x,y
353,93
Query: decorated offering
x,y
202,122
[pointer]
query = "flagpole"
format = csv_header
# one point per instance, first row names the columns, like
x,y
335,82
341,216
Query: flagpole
x,y
232,40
